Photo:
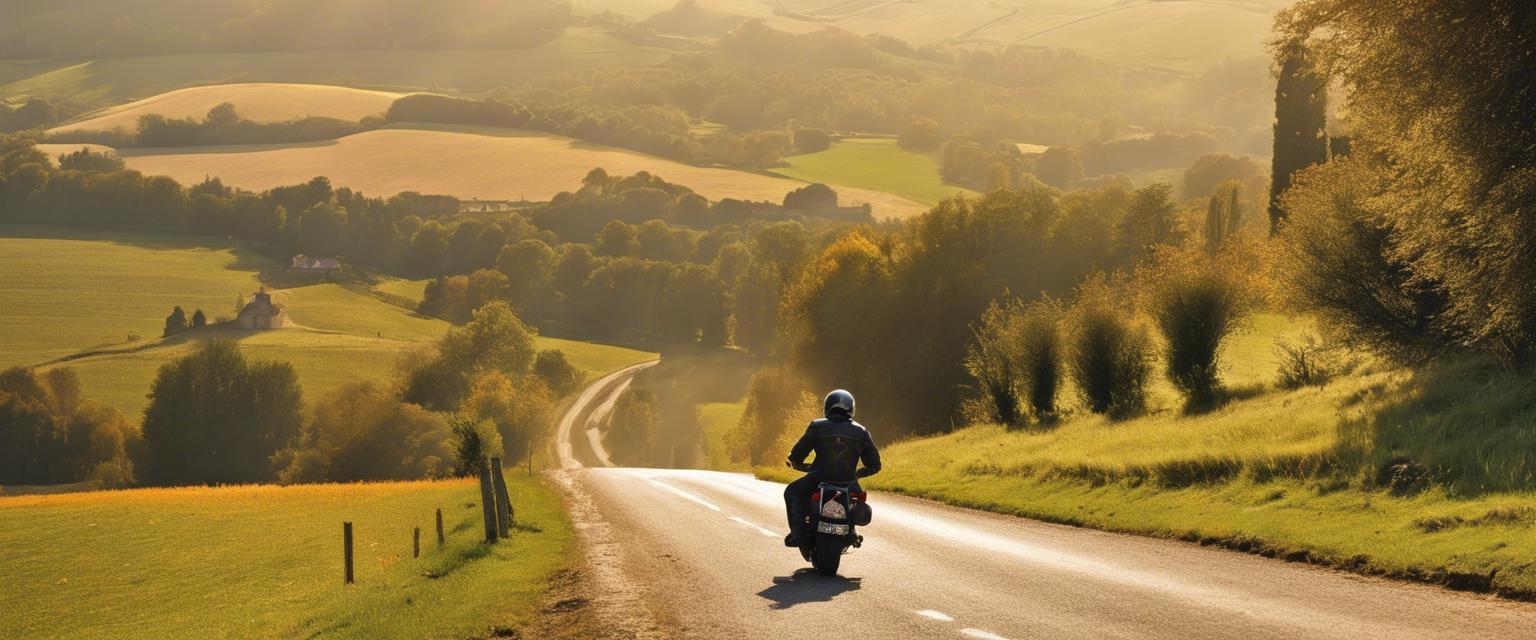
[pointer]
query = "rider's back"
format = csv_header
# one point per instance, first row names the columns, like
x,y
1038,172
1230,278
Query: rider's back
x,y
840,444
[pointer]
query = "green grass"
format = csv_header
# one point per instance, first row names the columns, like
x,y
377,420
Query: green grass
x,y
876,164
65,291
401,291
717,420
112,81
70,291
266,562
1304,474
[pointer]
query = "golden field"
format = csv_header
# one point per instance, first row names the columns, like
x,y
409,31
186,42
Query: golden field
x,y
468,162
259,102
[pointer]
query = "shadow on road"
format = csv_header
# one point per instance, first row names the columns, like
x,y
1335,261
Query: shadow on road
x,y
804,587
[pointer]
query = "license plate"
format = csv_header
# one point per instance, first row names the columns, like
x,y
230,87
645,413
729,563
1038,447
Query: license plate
x,y
834,529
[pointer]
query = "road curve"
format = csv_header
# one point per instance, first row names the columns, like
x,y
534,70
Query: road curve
x,y
594,402
698,554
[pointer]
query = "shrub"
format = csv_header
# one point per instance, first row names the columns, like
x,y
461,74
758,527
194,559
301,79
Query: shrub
x,y
1110,356
556,371
1336,258
994,360
1040,356
473,442
361,431
771,396
1197,302
50,434
1304,362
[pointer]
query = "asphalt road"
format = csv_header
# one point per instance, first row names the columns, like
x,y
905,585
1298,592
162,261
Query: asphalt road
x,y
684,553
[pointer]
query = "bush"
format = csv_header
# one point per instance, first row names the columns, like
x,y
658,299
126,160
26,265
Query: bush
x,y
361,431
1197,302
1040,357
473,442
771,396
556,371
1337,259
1305,362
518,409
1110,355
993,360
1015,357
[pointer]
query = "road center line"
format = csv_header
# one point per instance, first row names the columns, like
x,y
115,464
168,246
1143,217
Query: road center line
x,y
761,530
935,615
684,494
983,635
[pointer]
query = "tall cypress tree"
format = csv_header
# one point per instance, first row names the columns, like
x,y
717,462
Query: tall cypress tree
x,y
1301,121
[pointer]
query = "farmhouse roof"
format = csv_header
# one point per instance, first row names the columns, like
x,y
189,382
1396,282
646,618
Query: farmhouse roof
x,y
261,304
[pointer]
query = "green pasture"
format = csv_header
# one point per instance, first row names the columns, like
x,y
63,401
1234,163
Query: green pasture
x,y
876,164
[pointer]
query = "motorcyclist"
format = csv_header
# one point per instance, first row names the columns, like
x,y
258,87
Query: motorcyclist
x,y
840,445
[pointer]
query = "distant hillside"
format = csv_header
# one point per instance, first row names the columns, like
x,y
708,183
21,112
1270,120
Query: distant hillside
x,y
469,162
259,102
1186,35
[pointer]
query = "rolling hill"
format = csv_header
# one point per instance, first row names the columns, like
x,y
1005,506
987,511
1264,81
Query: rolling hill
x,y
260,102
1187,35
467,162
112,81
76,298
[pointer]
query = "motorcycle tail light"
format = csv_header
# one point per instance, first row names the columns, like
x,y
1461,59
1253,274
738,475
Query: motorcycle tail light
x,y
833,509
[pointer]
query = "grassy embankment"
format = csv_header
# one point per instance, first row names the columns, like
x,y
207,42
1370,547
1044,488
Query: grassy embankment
x,y
266,562
1302,474
81,295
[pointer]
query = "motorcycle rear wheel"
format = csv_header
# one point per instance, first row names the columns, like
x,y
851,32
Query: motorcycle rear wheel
x,y
828,554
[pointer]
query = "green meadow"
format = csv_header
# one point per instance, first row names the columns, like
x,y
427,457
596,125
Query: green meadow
x,y
266,562
79,296
876,164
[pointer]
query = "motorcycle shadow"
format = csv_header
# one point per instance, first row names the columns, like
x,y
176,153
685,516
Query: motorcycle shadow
x,y
805,586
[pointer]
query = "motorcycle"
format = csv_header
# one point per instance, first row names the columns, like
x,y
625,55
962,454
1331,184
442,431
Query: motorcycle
x,y
831,528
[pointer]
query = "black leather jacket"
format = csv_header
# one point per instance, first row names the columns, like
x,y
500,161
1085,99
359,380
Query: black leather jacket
x,y
840,445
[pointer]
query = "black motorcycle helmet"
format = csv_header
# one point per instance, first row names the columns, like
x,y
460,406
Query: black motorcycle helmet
x,y
838,400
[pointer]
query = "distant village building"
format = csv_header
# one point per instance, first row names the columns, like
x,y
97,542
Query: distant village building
x,y
261,313
484,206
310,263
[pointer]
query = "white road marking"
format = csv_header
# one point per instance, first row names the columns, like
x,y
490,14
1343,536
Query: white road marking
x,y
935,615
684,494
983,635
766,532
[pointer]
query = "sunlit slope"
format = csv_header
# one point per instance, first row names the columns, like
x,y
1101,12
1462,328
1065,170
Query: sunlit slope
x,y
78,295
266,562
112,81
1182,34
468,162
66,291
260,102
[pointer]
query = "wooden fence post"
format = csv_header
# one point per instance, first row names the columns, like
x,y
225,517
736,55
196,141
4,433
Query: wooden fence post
x,y
416,542
346,548
439,527
487,502
503,501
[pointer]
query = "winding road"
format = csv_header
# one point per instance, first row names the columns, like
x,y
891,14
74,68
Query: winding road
x,y
698,554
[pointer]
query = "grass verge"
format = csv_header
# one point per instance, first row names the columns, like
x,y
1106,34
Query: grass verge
x,y
1424,475
266,562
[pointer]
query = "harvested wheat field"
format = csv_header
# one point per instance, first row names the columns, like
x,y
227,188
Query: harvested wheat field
x,y
467,162
261,102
